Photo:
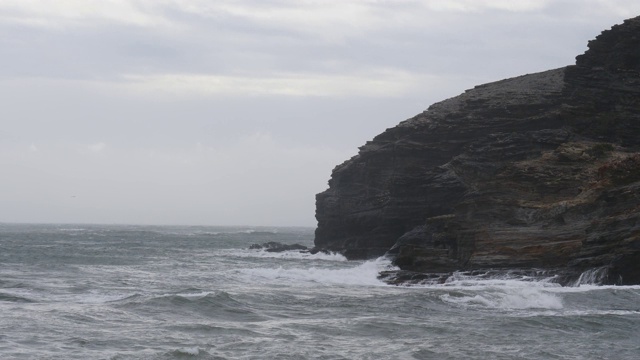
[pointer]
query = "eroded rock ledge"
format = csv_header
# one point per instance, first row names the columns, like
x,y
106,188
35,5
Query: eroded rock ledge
x,y
540,171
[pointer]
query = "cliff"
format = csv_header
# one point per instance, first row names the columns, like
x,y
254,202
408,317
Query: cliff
x,y
537,172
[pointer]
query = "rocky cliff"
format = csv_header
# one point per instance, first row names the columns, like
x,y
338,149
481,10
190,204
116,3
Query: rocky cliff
x,y
539,173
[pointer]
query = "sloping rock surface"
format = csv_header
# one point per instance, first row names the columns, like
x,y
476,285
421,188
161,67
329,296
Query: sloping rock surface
x,y
540,171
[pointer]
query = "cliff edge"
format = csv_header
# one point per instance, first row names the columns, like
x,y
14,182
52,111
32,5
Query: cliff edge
x,y
540,173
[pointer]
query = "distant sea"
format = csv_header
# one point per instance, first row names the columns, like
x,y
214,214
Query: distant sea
x,y
147,292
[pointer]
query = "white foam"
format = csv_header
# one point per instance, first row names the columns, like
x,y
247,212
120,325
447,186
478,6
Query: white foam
x,y
503,294
579,313
254,231
363,274
591,287
287,255
189,295
482,284
594,276
191,351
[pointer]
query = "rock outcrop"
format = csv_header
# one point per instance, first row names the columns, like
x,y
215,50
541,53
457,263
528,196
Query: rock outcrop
x,y
274,246
540,171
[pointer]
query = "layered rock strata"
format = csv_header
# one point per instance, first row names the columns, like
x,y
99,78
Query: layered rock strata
x,y
540,171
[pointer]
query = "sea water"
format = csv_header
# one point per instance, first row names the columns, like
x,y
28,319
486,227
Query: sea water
x,y
146,292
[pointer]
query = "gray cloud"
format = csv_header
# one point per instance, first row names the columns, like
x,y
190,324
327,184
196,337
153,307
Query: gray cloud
x,y
229,112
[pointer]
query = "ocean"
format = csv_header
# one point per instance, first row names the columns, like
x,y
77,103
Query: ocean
x,y
198,292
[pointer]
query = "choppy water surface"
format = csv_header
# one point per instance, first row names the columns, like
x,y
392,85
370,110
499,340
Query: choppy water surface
x,y
140,292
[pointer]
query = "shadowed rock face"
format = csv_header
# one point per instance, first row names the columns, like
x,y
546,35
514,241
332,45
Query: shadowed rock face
x,y
539,171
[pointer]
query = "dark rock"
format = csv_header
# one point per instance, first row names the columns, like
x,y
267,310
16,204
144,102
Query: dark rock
x,y
540,171
405,277
273,246
316,250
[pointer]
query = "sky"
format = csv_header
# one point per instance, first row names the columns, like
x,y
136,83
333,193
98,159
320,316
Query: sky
x,y
234,112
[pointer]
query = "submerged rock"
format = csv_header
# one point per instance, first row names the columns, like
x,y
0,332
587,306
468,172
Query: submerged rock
x,y
274,246
540,171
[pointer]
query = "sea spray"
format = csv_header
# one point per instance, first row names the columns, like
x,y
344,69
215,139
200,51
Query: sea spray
x,y
594,276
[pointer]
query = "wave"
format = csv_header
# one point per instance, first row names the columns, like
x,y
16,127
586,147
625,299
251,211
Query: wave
x,y
506,290
595,276
210,304
363,274
94,297
584,313
515,295
194,352
15,298
592,288
517,289
292,254
10,284
295,254
208,298
216,233
257,232
523,293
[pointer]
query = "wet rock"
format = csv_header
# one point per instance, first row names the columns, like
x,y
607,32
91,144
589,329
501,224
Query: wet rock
x,y
273,246
405,277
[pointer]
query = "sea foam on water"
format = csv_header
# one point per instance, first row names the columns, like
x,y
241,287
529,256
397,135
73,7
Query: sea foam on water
x,y
365,273
177,293
509,295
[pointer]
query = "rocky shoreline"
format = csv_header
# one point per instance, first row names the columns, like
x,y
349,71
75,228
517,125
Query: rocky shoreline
x,y
537,173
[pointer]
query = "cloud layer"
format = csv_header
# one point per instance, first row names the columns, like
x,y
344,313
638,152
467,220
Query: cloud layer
x,y
235,112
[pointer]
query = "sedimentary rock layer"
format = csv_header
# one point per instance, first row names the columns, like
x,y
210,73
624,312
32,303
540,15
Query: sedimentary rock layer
x,y
540,171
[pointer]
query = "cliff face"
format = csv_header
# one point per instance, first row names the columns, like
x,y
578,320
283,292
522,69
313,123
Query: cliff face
x,y
540,171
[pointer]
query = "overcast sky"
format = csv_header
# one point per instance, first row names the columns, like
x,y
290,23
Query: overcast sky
x,y
220,112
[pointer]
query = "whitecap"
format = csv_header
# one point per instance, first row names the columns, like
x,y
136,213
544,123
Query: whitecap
x,y
365,273
293,254
584,312
592,287
504,294
188,352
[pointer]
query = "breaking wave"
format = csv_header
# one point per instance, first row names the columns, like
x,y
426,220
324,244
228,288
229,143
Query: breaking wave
x,y
301,255
363,274
500,294
15,298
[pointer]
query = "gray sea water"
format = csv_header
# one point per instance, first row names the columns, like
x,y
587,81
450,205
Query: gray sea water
x,y
144,292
